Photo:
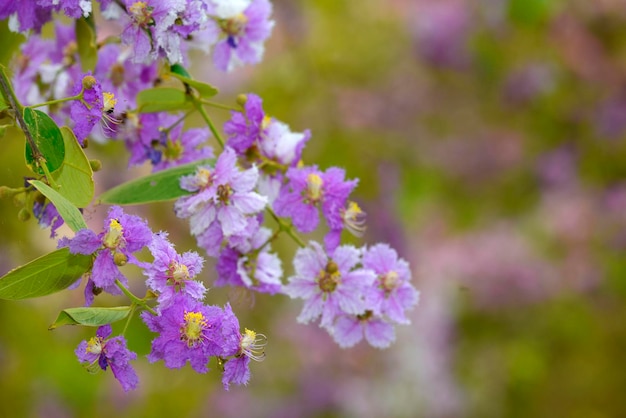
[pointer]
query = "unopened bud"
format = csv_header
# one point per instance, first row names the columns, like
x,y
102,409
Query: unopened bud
x,y
242,99
120,259
6,191
88,82
96,165
332,267
23,215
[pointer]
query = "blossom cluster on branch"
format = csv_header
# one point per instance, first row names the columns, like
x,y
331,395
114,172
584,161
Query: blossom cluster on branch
x,y
239,193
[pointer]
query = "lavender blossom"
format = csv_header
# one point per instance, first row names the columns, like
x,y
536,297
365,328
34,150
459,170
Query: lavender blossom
x,y
244,27
394,293
224,195
48,216
350,330
250,264
123,235
102,352
171,273
306,189
191,332
331,285
264,140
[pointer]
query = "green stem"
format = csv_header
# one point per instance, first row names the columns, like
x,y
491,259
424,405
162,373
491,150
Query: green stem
x,y
208,121
182,118
19,110
219,105
130,316
287,227
57,101
133,298
269,240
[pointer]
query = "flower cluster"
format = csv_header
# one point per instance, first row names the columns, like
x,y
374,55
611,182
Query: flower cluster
x,y
189,330
355,293
153,29
257,180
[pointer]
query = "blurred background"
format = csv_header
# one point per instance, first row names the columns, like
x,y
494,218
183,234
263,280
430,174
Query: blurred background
x,y
489,137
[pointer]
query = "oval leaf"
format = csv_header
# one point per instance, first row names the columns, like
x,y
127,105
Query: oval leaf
x,y
48,274
158,187
160,99
91,317
86,42
75,177
204,89
70,214
47,137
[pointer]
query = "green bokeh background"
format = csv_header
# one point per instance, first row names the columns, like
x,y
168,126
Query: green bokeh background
x,y
450,113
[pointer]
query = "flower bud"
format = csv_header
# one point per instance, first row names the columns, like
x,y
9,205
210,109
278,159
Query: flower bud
x,y
242,99
23,215
120,259
88,82
6,191
96,165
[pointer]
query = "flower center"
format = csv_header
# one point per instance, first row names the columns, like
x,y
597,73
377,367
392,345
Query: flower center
x,y
234,25
223,193
109,102
329,278
178,273
173,150
94,345
203,178
252,345
389,281
195,323
354,219
113,238
141,13
313,188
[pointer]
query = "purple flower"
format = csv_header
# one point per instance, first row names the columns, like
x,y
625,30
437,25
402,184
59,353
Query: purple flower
x,y
224,195
48,216
264,140
237,369
306,189
86,113
25,15
329,284
100,352
171,273
393,293
120,76
353,219
191,332
244,27
250,264
148,29
350,329
123,235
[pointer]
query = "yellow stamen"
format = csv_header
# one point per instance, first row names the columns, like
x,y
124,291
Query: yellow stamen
x,y
314,187
113,238
195,323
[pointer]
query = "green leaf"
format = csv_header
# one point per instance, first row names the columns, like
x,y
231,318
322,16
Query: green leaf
x,y
160,99
75,177
48,274
47,137
86,41
70,214
158,187
91,317
204,89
